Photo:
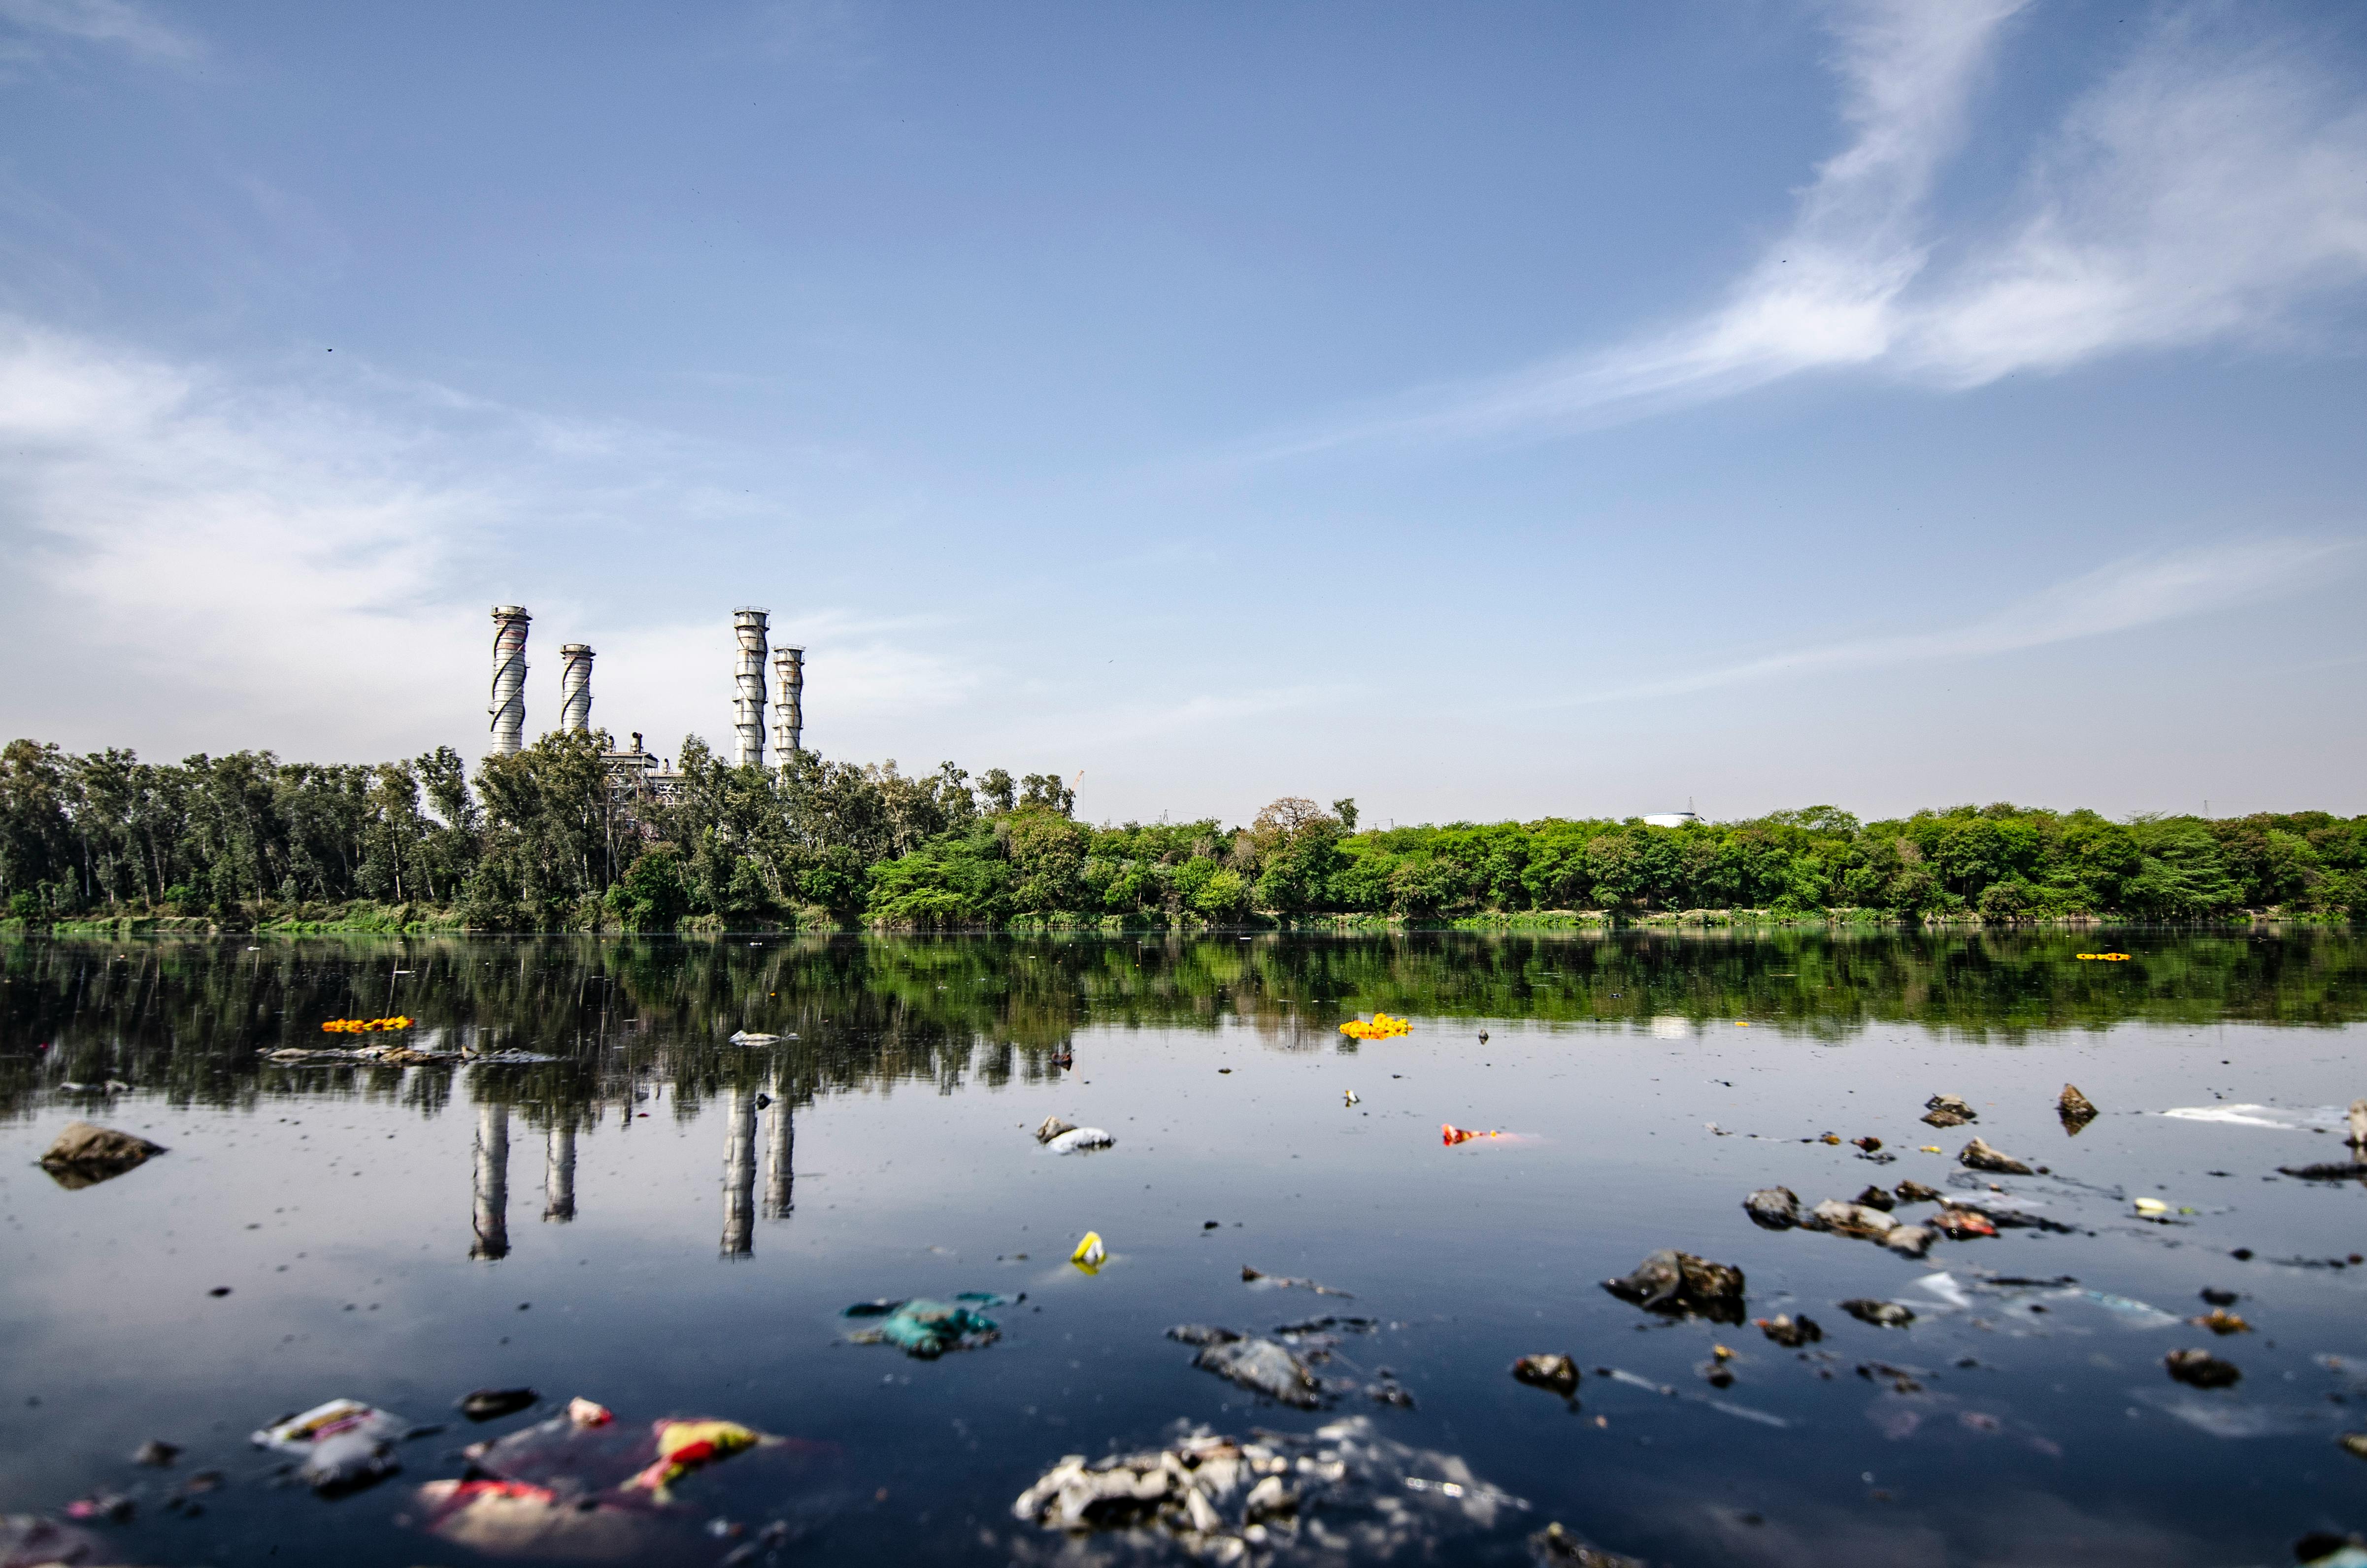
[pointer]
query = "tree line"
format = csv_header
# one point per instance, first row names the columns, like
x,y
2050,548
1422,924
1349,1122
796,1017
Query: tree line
x,y
541,841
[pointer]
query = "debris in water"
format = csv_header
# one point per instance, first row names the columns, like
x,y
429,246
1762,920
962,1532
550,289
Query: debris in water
x,y
1673,1282
1090,1254
743,1037
1881,1314
1949,1111
1450,1135
1977,1155
1915,1192
1262,1367
2201,1370
492,1404
1849,1220
1774,1208
343,1443
1557,1373
1201,1334
27,1540
927,1329
1079,1138
157,1453
2220,1321
2355,1442
1282,1282
86,1154
1053,1127
1789,1332
2075,1110
1555,1544
1350,1098
1227,1500
1874,1198
1382,1026
1962,1224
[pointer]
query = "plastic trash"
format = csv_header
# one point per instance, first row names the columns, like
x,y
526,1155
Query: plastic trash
x,y
492,1404
1915,1192
1201,1334
28,1540
1053,1127
1077,1139
1557,1373
1977,1155
927,1329
1874,1198
1949,1111
1962,1224
2222,1322
1881,1314
2354,1443
1774,1208
1672,1282
1849,1220
84,1154
344,1444
1789,1332
2075,1109
2326,1119
1450,1135
2201,1370
686,1445
1090,1254
1350,1098
1262,1367
743,1037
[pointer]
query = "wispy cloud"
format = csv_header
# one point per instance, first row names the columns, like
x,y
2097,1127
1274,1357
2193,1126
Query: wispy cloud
x,y
117,23
2122,597
2197,193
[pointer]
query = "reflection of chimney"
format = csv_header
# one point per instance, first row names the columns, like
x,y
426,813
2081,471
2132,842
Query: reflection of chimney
x,y
508,706
748,677
559,1173
492,1219
781,1140
739,1175
788,703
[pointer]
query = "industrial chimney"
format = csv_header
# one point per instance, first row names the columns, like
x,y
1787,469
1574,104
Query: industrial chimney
x,y
508,707
788,702
575,688
748,707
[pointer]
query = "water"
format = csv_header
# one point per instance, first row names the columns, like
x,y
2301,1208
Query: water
x,y
694,1257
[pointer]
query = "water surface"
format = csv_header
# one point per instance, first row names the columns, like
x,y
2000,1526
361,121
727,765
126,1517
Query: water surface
x,y
625,1222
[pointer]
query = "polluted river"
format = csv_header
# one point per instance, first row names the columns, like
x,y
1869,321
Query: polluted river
x,y
1801,1248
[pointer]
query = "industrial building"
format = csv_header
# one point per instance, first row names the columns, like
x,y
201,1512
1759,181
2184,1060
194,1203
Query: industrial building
x,y
635,772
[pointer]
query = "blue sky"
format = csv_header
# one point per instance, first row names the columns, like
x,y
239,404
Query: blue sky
x,y
1481,412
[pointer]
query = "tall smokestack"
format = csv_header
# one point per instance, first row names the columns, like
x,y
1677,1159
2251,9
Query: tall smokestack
x,y
748,707
788,702
508,707
575,688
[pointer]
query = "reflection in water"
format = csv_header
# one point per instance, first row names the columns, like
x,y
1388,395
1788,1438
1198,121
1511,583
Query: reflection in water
x,y
559,1173
739,1174
777,1151
493,1217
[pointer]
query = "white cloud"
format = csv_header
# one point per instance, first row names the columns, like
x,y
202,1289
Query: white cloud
x,y
196,565
116,22
2198,193
2120,596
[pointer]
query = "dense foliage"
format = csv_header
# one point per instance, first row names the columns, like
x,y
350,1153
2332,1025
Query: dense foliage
x,y
539,841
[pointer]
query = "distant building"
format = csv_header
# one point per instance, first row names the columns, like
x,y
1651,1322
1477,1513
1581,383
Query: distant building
x,y
1672,819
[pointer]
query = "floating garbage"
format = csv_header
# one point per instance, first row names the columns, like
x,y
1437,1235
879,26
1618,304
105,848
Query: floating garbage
x,y
1977,1155
687,1445
1450,1135
1350,1099
1915,1192
1380,1027
1789,1332
1090,1254
1949,1111
363,1026
1866,1222
1283,1282
508,1059
2320,1549
2222,1322
2354,1443
2201,1370
1774,1208
84,1154
1053,1127
927,1329
1077,1139
1262,1367
156,1453
1339,1490
1555,1544
2075,1109
27,1540
1674,1282
1557,1373
344,1444
2317,1118
1881,1314
492,1404
743,1037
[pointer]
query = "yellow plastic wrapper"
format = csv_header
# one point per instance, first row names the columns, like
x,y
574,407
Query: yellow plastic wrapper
x,y
1090,1255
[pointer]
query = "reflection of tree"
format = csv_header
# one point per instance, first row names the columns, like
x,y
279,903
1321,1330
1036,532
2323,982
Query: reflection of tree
x,y
188,1019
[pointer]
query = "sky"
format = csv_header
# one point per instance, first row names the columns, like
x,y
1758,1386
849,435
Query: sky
x,y
1482,412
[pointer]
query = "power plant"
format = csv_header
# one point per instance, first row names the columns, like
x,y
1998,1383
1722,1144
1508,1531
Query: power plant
x,y
637,772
